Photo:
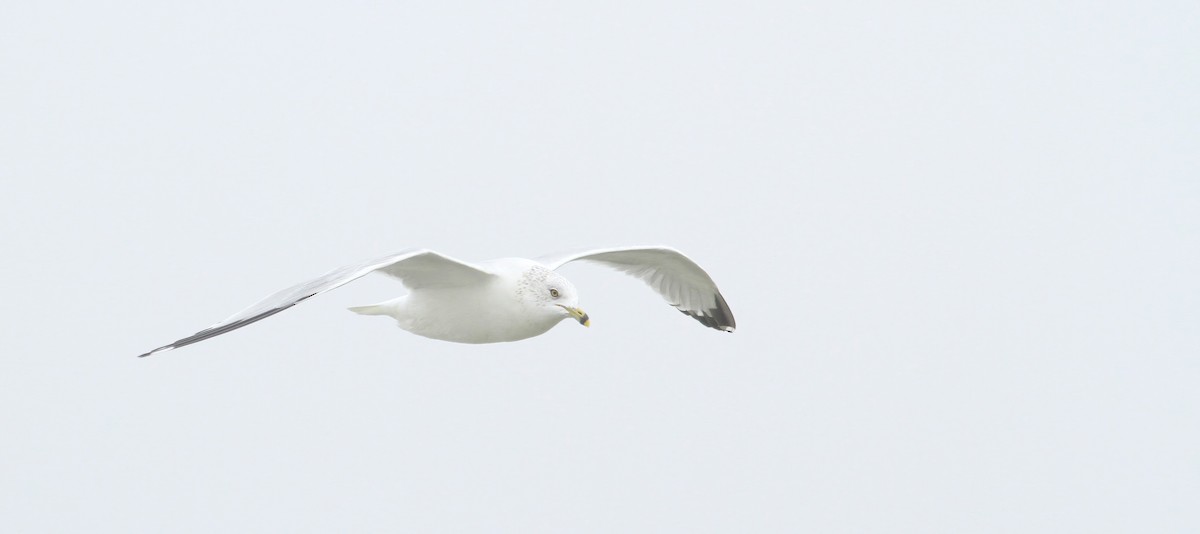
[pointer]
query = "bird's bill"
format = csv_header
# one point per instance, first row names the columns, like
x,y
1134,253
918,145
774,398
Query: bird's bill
x,y
578,315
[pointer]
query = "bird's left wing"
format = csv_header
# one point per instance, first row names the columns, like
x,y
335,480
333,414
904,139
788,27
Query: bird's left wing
x,y
674,276
415,268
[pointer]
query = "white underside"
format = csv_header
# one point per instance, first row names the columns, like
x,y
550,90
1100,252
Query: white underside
x,y
462,315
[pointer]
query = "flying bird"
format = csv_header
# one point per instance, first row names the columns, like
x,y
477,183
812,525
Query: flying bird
x,y
507,299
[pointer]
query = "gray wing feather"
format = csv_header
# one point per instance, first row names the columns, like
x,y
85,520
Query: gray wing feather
x,y
415,268
667,271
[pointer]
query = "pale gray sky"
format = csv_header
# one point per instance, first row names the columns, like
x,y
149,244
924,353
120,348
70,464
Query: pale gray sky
x,y
960,240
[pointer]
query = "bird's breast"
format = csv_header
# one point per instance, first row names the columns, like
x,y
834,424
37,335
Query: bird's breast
x,y
469,316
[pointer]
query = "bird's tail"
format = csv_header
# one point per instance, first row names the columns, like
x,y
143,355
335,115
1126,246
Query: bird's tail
x,y
373,309
387,307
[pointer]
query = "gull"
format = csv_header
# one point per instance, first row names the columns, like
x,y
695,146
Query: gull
x,y
494,301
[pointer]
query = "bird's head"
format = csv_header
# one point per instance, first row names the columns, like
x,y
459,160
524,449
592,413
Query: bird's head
x,y
551,296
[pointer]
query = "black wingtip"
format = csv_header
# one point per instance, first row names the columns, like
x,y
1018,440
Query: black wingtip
x,y
718,317
218,330
162,348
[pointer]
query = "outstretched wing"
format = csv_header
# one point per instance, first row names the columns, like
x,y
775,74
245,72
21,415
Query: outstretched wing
x,y
674,276
416,268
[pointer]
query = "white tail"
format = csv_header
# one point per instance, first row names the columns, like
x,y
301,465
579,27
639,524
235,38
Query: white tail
x,y
374,309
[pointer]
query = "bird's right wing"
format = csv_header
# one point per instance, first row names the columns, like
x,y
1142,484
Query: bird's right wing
x,y
416,268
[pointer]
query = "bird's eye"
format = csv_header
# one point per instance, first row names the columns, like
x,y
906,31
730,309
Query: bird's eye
x,y
553,292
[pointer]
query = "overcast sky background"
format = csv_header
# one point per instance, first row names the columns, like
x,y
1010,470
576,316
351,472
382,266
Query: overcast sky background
x,y
961,243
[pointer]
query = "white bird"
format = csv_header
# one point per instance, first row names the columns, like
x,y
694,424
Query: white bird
x,y
507,299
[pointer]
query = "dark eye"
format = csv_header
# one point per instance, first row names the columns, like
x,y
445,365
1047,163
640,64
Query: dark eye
x,y
553,292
